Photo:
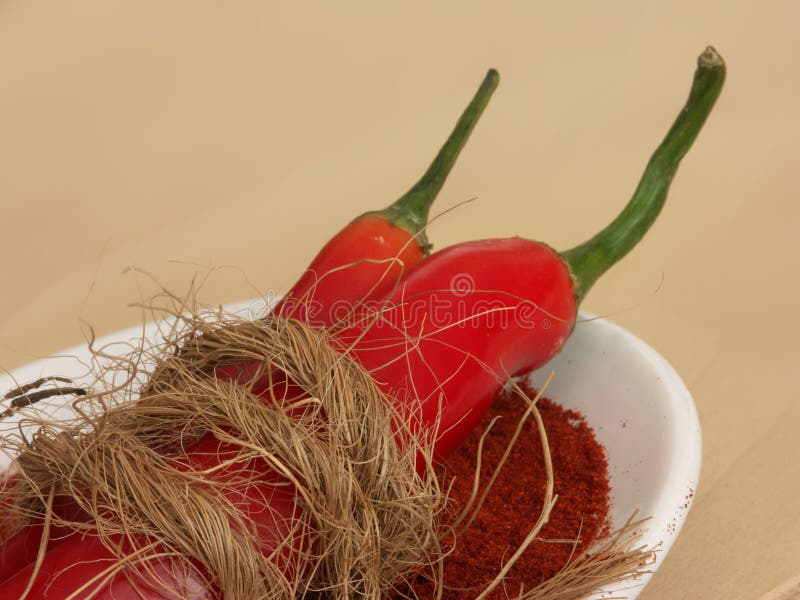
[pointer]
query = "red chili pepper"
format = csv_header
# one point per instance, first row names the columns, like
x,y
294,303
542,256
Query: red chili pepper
x,y
422,347
366,257
370,254
477,313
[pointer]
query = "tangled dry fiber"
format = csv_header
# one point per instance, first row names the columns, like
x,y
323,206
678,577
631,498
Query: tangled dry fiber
x,y
367,522
373,517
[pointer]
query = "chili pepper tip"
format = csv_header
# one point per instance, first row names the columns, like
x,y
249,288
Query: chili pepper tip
x,y
710,58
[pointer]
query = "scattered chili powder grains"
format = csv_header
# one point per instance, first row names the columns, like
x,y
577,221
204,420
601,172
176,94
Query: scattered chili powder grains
x,y
515,501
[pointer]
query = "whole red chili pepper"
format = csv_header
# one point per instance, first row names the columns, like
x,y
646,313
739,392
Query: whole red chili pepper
x,y
474,314
452,345
366,257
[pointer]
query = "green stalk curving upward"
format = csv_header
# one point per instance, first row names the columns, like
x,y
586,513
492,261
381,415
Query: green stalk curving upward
x,y
591,259
411,210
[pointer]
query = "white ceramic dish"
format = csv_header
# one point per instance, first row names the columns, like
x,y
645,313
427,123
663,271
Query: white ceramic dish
x,y
640,409
645,417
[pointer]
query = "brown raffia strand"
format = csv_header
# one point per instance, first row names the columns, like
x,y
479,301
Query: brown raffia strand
x,y
615,559
372,518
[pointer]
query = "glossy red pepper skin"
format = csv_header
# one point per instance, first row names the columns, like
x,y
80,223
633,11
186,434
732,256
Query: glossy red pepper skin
x,y
21,549
366,258
462,323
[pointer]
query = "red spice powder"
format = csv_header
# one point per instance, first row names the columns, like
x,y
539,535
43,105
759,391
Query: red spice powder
x,y
515,501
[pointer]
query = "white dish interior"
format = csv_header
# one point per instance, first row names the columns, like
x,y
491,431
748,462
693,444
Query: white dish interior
x,y
644,415
638,405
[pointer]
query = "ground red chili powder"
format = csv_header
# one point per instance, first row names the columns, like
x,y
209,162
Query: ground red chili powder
x,y
515,501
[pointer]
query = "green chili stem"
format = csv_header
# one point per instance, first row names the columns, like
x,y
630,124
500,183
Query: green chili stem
x,y
591,259
411,210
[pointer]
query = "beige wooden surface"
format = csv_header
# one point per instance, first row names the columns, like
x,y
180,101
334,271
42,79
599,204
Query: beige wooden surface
x,y
180,136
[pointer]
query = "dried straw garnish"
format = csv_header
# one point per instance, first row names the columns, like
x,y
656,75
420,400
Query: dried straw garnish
x,y
370,521
615,559
373,517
